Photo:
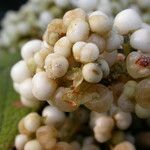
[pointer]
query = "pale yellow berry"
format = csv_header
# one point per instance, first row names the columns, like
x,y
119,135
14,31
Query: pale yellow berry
x,y
124,146
46,135
63,47
69,16
20,141
33,145
127,21
92,72
123,120
100,22
98,40
85,52
43,87
56,66
32,122
78,30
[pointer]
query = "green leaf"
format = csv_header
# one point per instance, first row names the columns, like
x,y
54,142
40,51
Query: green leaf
x,y
11,111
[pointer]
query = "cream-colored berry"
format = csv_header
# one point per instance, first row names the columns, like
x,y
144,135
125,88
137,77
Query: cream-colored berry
x,y
20,72
63,47
32,122
85,52
69,16
127,21
22,129
123,120
77,49
43,87
140,40
102,136
100,22
98,40
104,123
20,141
26,89
30,48
53,116
33,145
114,41
56,66
78,30
138,65
124,146
92,72
46,135
40,56
16,87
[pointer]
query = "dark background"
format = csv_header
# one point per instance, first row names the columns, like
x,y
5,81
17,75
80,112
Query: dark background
x,y
6,5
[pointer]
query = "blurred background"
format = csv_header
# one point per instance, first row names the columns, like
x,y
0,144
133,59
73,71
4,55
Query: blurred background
x,y
6,5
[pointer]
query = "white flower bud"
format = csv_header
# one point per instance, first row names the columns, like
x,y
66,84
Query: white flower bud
x,y
32,122
124,145
92,72
44,18
140,40
142,93
123,120
43,87
53,116
87,5
40,56
104,123
138,65
63,47
127,21
71,15
26,89
94,116
33,145
102,136
20,72
56,66
16,87
103,127
113,42
98,40
20,141
78,30
100,22
85,52
61,3
46,135
30,48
